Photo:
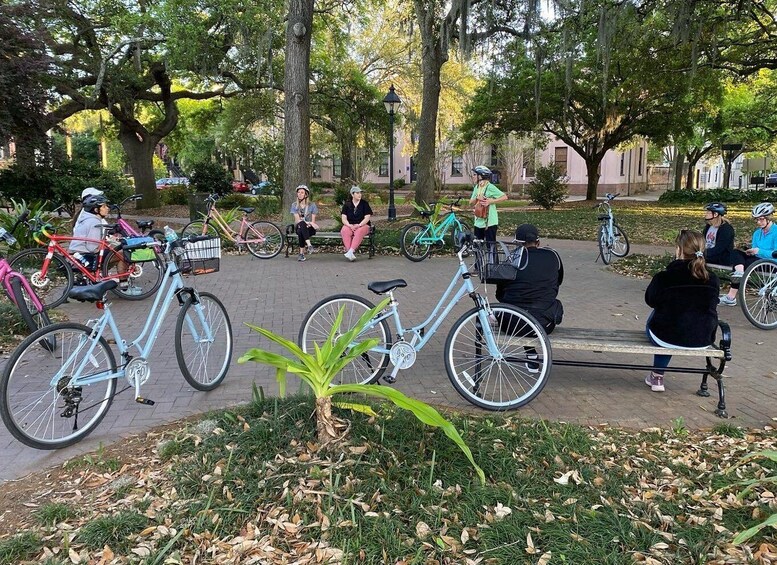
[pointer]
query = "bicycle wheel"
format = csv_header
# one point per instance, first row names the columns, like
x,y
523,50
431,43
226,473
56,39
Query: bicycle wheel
x,y
620,243
263,239
53,285
33,318
50,416
318,322
514,376
605,251
461,227
136,280
408,242
199,227
758,294
203,341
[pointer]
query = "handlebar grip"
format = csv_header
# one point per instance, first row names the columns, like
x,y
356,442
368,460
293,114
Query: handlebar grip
x,y
22,217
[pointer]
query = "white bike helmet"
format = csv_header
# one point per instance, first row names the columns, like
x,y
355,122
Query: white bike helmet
x,y
763,209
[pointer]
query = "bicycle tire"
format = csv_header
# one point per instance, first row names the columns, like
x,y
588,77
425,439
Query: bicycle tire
x,y
22,392
52,289
620,242
503,384
318,323
461,227
758,294
605,252
199,227
142,281
200,357
267,239
33,319
416,252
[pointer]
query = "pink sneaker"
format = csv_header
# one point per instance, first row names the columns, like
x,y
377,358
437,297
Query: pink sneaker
x,y
655,382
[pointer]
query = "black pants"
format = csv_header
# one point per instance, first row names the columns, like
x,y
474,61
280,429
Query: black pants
x,y
488,234
304,233
742,258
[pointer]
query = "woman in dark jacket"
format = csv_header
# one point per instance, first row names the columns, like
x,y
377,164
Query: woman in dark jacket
x,y
718,235
684,298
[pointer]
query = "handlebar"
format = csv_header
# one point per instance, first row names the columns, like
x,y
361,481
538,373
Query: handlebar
x,y
146,242
22,217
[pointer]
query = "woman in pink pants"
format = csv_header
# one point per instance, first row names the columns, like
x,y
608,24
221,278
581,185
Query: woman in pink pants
x,y
356,222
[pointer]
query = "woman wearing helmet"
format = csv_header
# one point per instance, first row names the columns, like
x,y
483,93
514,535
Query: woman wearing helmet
x,y
89,225
305,226
487,195
763,245
718,235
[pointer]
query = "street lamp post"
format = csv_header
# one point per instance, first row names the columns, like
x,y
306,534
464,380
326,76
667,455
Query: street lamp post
x,y
391,102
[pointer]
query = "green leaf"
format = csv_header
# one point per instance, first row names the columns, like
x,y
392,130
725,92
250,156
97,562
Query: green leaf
x,y
280,377
750,532
363,408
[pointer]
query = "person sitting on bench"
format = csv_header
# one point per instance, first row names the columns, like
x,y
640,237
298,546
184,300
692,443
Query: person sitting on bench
x,y
356,215
304,212
684,298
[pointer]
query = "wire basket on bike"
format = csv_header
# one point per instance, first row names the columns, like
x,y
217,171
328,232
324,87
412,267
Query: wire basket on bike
x,y
199,257
499,261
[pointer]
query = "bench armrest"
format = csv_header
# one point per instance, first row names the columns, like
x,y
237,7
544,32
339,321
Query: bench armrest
x,y
725,339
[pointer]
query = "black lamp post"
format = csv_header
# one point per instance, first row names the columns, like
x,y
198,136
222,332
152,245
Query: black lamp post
x,y
391,102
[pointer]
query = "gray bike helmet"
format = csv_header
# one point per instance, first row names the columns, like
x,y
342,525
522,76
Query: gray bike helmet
x,y
91,203
717,208
482,172
763,209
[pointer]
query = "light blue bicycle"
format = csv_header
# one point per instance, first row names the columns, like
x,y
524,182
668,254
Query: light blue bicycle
x,y
497,356
416,239
52,398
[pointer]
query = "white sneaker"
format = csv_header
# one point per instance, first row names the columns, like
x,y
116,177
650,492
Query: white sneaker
x,y
350,256
724,299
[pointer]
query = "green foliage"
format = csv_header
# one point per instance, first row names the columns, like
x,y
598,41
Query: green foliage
x,y
762,479
716,195
399,183
113,531
549,187
54,513
209,176
318,186
342,193
267,157
318,369
267,206
12,325
177,194
21,547
236,200
23,236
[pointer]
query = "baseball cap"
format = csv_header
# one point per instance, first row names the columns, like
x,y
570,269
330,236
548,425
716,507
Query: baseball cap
x,y
526,233
355,189
91,191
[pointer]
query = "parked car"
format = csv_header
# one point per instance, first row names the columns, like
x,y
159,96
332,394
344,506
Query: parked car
x,y
167,182
241,186
771,180
264,187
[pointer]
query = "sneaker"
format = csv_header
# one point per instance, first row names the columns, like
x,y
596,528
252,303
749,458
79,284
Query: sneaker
x,y
532,367
311,249
655,382
726,301
350,256
301,257
736,275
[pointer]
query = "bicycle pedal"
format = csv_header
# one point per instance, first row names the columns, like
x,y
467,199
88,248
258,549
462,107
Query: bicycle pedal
x,y
146,401
390,379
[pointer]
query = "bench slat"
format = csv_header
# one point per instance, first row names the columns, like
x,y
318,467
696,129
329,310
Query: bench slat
x,y
619,341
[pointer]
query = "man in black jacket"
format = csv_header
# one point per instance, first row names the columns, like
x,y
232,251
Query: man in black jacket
x,y
535,288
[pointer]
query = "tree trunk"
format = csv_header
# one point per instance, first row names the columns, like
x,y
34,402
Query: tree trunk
x,y
324,421
727,173
346,161
140,155
592,163
296,154
677,167
431,65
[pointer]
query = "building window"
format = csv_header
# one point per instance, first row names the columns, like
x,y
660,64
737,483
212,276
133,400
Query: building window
x,y
623,164
383,167
560,158
315,168
457,165
529,163
494,156
337,167
639,163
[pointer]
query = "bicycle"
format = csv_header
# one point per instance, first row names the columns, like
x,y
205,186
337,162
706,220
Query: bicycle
x,y
612,239
44,393
51,269
758,293
262,239
497,356
416,239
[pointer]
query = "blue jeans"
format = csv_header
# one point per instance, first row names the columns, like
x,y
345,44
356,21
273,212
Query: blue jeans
x,y
660,362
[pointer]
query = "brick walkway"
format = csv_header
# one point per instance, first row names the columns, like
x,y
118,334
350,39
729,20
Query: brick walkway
x,y
277,293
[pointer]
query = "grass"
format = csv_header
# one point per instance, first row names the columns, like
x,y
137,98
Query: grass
x,y
254,484
23,546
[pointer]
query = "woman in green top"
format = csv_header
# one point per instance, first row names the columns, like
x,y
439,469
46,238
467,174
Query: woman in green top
x,y
488,195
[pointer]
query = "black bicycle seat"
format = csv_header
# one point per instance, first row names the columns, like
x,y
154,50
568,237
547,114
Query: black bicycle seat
x,y
425,213
379,287
142,224
247,210
92,293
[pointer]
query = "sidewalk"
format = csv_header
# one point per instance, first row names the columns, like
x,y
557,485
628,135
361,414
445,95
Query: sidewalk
x,y
277,293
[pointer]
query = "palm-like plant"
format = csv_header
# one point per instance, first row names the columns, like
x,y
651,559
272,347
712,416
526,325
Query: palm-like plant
x,y
319,368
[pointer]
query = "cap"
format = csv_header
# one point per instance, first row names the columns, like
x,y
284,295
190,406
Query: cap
x,y
91,191
527,233
355,189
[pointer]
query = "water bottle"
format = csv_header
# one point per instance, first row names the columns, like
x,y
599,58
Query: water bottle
x,y
81,259
170,234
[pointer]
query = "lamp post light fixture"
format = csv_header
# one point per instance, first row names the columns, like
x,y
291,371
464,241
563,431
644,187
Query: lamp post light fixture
x,y
391,102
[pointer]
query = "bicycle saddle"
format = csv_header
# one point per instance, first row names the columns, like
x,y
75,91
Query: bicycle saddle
x,y
379,287
247,210
425,213
92,293
142,224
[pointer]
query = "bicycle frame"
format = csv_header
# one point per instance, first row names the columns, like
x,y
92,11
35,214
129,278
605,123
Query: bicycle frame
x,y
6,274
608,221
439,231
215,217
55,247
172,286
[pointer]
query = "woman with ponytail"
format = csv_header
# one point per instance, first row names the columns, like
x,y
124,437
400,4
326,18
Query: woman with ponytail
x,y
684,298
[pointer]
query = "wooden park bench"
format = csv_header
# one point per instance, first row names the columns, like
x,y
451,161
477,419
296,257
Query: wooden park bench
x,y
292,241
631,342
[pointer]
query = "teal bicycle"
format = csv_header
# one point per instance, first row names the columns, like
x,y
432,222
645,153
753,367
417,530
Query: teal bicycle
x,y
417,239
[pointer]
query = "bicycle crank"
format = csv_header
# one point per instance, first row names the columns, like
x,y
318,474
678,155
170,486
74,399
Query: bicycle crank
x,y
137,372
402,355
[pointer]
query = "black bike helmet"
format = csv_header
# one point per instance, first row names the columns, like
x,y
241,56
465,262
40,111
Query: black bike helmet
x,y
91,203
716,207
482,172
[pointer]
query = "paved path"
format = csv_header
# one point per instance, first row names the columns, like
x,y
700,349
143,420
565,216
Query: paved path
x,y
277,293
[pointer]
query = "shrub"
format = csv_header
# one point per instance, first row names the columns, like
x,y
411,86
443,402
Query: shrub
x,y
208,176
24,237
341,194
716,195
399,183
318,185
266,206
176,194
235,200
549,186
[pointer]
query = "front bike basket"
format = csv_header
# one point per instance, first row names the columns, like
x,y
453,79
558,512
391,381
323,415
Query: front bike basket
x,y
499,261
200,257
